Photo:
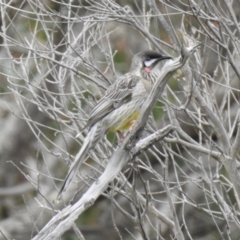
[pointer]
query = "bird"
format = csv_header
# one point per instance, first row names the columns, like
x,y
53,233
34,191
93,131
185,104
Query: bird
x,y
120,106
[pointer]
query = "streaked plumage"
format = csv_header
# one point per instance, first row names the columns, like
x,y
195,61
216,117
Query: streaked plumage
x,y
120,105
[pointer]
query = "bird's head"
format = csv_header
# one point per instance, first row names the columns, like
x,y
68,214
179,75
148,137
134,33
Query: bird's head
x,y
146,61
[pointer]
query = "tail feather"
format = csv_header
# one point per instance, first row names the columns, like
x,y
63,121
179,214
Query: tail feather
x,y
93,136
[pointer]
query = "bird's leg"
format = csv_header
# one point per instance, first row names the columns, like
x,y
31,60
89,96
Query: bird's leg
x,y
120,136
132,125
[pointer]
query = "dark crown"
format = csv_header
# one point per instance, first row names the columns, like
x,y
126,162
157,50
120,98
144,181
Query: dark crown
x,y
151,54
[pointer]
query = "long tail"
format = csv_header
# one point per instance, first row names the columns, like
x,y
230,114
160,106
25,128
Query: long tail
x,y
92,138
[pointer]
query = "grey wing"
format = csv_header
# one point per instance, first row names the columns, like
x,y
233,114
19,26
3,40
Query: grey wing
x,y
118,94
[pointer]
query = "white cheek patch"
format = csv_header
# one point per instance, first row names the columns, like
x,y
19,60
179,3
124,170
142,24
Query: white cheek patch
x,y
148,63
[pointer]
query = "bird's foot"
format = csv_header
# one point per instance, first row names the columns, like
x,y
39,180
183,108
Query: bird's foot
x,y
132,125
121,137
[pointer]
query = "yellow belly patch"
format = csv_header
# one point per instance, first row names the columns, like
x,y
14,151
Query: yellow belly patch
x,y
125,123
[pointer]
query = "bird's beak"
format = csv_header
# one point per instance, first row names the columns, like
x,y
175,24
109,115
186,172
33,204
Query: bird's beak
x,y
154,61
164,58
160,59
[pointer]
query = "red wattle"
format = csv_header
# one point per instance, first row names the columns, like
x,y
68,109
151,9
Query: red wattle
x,y
147,69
